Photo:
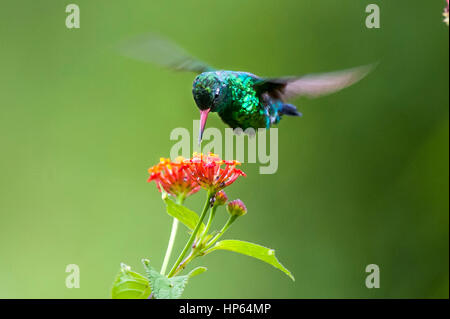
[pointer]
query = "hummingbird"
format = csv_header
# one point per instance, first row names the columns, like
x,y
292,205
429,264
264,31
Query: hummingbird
x,y
241,99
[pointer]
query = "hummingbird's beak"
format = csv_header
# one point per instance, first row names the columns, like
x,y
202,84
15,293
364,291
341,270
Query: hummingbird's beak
x,y
203,118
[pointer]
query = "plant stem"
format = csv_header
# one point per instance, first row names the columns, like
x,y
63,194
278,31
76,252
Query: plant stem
x,y
223,230
195,252
193,235
208,224
188,259
173,234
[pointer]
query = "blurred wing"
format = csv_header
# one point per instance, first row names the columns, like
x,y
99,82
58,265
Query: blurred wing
x,y
313,85
158,50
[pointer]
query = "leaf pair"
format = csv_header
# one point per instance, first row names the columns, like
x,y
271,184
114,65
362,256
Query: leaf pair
x,y
168,288
190,219
131,285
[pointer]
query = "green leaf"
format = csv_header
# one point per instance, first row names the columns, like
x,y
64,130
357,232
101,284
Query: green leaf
x,y
168,288
183,214
197,271
130,285
252,250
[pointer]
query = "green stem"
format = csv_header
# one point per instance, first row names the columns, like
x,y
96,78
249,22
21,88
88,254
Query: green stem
x,y
193,235
195,252
208,224
173,234
223,230
188,259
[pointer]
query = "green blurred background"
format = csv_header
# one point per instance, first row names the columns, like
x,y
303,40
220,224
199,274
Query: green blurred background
x,y
363,177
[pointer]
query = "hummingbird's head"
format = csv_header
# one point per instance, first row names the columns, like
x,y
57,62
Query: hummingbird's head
x,y
209,93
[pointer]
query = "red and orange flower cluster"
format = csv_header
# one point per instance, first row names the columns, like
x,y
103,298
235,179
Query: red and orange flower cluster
x,y
173,177
186,176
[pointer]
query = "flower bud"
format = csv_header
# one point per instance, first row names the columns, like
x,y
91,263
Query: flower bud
x,y
220,199
236,208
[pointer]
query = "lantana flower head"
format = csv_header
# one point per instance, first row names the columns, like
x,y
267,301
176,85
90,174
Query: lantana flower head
x,y
237,208
173,177
211,172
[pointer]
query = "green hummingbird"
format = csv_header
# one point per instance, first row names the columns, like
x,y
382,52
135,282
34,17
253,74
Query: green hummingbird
x,y
241,99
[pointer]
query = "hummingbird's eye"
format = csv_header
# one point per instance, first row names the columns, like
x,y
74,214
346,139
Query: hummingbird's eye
x,y
216,94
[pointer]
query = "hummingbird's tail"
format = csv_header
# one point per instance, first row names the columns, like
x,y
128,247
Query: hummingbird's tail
x,y
289,109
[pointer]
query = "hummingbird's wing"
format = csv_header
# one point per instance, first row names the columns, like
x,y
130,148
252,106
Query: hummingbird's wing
x,y
158,50
312,85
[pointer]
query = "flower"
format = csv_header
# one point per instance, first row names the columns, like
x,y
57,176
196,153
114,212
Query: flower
x,y
445,14
236,208
207,170
173,177
220,199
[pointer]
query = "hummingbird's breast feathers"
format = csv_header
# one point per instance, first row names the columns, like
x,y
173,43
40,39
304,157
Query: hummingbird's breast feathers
x,y
244,108
242,92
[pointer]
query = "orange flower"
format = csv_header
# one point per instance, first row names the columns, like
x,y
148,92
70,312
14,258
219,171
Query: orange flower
x,y
173,177
211,172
